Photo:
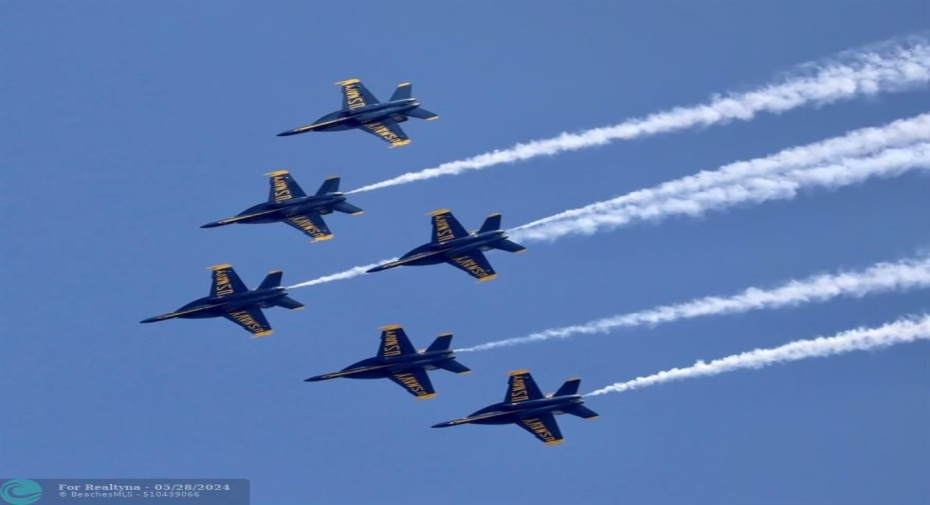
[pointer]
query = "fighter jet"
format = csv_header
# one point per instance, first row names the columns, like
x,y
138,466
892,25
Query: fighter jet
x,y
525,406
288,203
399,361
230,298
360,109
462,249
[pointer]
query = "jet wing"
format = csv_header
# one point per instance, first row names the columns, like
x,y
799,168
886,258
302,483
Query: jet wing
x,y
544,427
446,227
226,281
252,319
521,387
394,342
311,224
355,95
283,187
475,264
416,382
387,130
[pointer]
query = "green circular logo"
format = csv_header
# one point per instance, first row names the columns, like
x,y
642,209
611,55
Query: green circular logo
x,y
20,491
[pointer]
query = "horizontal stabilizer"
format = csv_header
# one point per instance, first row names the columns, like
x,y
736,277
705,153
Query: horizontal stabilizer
x,y
272,280
330,185
421,113
441,343
402,92
289,303
582,411
493,222
509,246
347,208
454,367
569,388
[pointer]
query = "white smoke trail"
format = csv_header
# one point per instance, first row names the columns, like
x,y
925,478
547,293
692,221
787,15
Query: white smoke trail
x,y
861,73
782,186
347,274
881,277
860,339
855,143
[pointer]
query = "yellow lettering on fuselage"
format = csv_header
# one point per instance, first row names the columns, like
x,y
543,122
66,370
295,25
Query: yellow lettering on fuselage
x,y
539,428
391,346
411,383
281,191
223,286
246,319
353,98
518,392
470,265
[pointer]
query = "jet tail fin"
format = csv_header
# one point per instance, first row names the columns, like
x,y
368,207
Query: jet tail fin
x,y
402,92
421,113
330,185
288,303
493,222
454,367
442,343
347,208
569,388
582,411
272,280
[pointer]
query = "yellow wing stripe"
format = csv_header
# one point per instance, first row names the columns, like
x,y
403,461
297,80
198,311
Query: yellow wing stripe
x,y
347,82
438,212
519,372
262,334
390,327
277,173
219,267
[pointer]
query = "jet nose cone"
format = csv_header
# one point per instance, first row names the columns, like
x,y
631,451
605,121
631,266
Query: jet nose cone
x,y
286,133
210,225
442,425
149,320
375,269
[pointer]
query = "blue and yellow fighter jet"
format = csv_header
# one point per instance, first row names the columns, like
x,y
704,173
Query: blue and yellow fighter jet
x,y
230,298
454,245
525,406
399,361
360,109
288,203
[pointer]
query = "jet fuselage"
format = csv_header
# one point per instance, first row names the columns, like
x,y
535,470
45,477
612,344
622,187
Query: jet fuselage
x,y
455,247
216,306
529,408
347,119
401,363
322,204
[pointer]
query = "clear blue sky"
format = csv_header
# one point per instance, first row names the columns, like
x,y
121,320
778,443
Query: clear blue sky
x,y
126,125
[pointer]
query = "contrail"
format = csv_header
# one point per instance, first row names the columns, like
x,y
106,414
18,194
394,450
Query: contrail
x,y
860,339
862,73
612,213
855,143
781,186
347,274
881,277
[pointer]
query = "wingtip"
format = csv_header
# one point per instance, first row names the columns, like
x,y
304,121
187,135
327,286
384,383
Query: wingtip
x,y
390,327
323,238
426,397
439,212
556,442
262,334
347,82
219,267
277,172
518,372
488,278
